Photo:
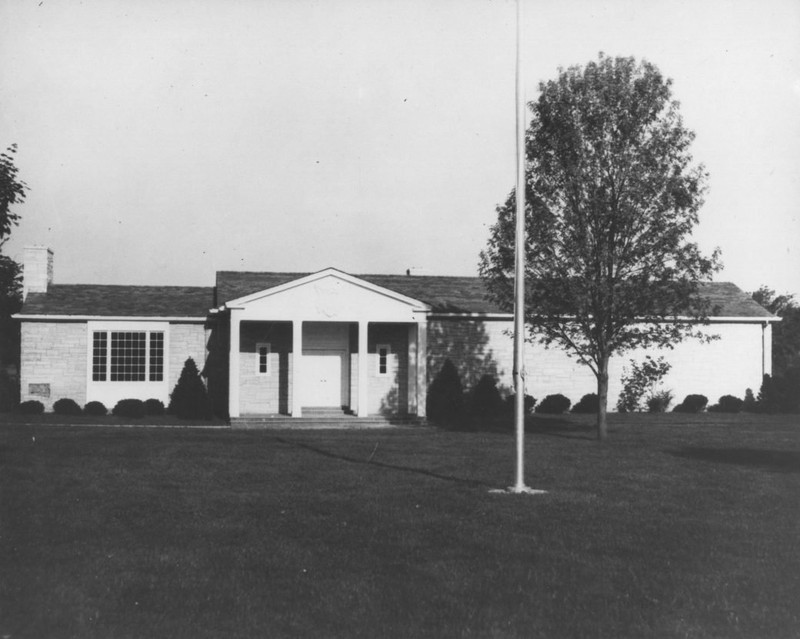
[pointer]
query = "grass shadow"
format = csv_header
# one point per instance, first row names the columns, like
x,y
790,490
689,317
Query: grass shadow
x,y
371,462
782,461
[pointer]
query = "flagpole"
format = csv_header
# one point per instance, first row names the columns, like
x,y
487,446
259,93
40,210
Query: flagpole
x,y
519,269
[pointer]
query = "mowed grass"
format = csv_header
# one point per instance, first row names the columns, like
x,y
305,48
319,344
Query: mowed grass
x,y
678,526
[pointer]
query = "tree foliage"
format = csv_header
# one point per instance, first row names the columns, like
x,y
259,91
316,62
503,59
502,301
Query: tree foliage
x,y
12,191
612,196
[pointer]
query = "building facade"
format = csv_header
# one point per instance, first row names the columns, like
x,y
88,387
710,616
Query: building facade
x,y
367,345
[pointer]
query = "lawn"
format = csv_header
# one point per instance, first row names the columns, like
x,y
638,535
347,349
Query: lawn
x,y
678,526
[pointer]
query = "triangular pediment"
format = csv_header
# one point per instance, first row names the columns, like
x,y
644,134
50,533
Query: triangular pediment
x,y
328,295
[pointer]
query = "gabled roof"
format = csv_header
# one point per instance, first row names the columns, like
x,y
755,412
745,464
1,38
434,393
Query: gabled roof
x,y
444,294
90,300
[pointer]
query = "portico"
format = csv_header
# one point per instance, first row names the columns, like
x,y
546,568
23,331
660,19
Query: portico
x,y
328,339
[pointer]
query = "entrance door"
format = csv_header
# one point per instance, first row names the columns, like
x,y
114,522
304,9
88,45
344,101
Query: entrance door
x,y
323,371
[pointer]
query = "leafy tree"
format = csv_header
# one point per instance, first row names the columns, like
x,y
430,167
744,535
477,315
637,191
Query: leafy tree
x,y
612,197
12,191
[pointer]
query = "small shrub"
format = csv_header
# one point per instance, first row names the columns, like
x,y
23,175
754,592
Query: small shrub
x,y
95,408
511,400
692,404
554,405
485,400
589,403
642,380
133,408
727,404
659,402
66,406
154,407
31,407
189,399
445,402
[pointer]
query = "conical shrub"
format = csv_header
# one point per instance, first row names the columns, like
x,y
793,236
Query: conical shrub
x,y
189,400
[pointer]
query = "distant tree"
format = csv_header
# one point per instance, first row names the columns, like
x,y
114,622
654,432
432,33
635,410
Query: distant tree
x,y
612,197
12,191
786,333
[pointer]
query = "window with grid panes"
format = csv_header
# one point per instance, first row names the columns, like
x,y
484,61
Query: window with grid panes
x,y
128,356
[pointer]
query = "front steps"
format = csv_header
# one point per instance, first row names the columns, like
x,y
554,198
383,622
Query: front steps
x,y
316,417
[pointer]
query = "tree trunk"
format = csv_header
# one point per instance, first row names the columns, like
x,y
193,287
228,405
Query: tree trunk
x,y
602,397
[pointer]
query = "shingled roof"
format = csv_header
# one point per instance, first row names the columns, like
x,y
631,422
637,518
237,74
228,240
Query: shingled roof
x,y
449,294
120,301
444,294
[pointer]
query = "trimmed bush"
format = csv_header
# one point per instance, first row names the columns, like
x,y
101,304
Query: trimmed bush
x,y
189,400
554,405
31,407
154,406
727,404
510,401
445,402
66,406
692,404
659,402
95,408
589,404
485,400
133,408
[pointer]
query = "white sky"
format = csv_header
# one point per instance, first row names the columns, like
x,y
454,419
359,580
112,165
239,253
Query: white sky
x,y
163,141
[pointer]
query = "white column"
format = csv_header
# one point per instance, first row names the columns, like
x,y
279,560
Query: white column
x,y
766,349
233,364
422,366
412,369
297,368
363,369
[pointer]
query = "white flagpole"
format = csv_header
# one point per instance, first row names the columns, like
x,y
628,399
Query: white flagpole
x,y
519,269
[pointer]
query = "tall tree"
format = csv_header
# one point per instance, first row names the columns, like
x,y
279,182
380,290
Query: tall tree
x,y
613,196
12,191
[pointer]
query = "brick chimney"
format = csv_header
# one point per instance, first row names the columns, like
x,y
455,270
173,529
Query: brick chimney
x,y
37,270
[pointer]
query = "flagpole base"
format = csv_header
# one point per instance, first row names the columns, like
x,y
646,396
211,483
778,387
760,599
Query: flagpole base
x,y
518,490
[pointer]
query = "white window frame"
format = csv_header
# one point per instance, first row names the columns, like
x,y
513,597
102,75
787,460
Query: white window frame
x,y
148,372
378,349
110,392
259,346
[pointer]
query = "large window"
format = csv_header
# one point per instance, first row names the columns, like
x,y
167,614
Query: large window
x,y
128,356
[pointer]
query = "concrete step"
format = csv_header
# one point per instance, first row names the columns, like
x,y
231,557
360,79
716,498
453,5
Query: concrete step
x,y
340,421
